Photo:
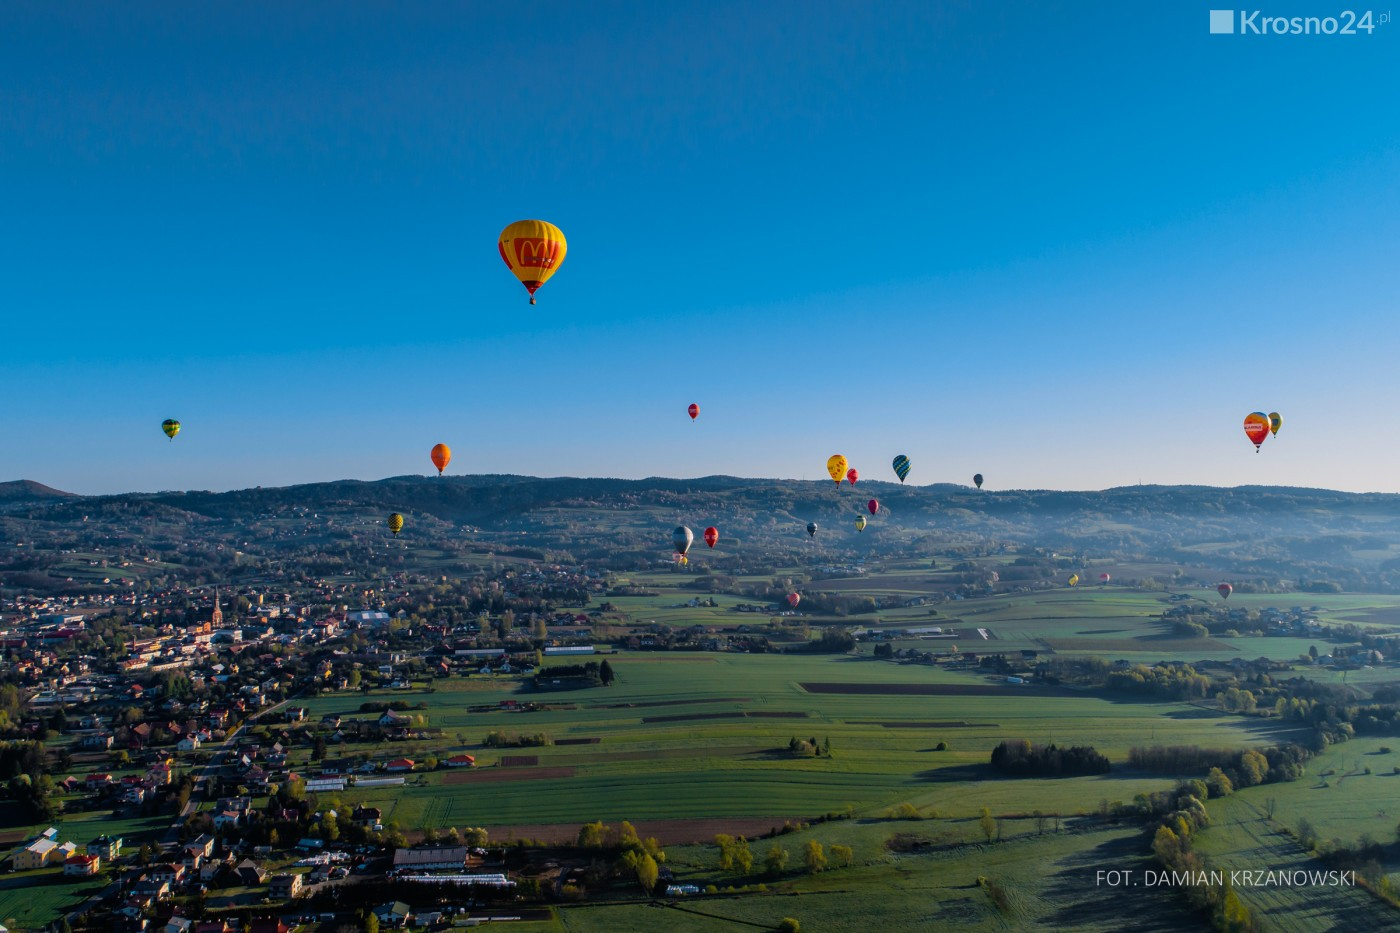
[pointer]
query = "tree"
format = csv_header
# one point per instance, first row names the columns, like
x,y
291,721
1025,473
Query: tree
x,y
647,873
841,856
1218,784
592,835
988,824
371,924
789,925
814,857
605,673
776,858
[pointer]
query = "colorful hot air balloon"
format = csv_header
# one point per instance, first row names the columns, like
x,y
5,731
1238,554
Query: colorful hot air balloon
x,y
977,478
873,505
1224,590
711,535
901,467
534,250
694,410
1256,426
860,523
852,475
1275,422
682,538
442,455
836,466
395,523
1074,579
1104,578
793,600
812,529
171,427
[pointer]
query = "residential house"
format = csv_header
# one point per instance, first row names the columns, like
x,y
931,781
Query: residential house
x,y
461,761
82,865
108,847
285,887
249,873
400,765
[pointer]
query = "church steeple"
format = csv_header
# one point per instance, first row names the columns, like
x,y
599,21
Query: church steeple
x,y
217,619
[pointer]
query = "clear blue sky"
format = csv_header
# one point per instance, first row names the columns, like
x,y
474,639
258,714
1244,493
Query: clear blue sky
x,y
1066,245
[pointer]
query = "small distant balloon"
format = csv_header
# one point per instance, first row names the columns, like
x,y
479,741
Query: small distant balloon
x,y
1224,590
901,467
836,466
395,523
852,475
682,538
711,535
1104,578
171,427
1275,422
694,411
873,505
794,599
977,478
533,250
812,529
1256,427
441,456
1074,579
860,523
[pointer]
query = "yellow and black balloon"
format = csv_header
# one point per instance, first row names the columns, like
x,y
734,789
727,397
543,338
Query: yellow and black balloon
x,y
533,250
395,522
171,427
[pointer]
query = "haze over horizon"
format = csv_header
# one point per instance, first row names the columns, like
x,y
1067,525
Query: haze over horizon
x,y
1068,246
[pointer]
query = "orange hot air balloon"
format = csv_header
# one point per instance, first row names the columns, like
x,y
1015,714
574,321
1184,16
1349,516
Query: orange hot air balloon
x,y
794,599
1257,427
442,455
711,535
852,475
1225,590
534,250
694,411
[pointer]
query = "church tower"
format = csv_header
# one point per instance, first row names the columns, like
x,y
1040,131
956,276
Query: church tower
x,y
217,619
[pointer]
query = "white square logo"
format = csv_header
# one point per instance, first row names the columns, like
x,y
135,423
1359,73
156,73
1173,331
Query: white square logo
x,y
1222,21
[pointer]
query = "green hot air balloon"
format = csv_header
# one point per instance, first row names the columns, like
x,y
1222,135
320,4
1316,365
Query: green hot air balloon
x,y
171,427
901,467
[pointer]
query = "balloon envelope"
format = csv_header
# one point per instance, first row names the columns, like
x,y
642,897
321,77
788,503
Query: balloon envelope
x,y
860,523
681,538
873,505
1104,578
533,250
1275,422
812,529
171,427
395,522
836,466
1074,579
442,455
694,411
977,478
711,535
1256,427
793,600
852,475
1224,590
901,467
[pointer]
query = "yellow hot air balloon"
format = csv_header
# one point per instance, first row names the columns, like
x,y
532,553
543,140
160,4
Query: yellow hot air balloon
x,y
534,250
395,522
860,523
1074,579
836,466
171,427
1275,422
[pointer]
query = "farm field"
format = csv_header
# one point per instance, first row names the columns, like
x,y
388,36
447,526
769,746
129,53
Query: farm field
x,y
32,899
705,737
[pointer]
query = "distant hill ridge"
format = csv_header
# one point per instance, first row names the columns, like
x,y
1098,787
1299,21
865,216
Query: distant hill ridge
x,y
22,490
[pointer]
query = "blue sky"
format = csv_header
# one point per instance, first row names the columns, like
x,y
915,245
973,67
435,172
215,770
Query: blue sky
x,y
1065,245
